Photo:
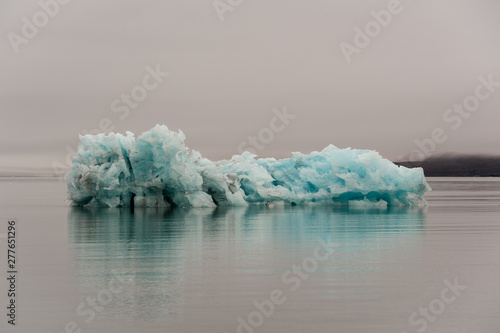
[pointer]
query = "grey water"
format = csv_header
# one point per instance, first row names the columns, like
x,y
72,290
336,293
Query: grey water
x,y
255,269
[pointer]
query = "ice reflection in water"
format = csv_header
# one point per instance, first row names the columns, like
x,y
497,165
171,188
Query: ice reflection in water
x,y
183,257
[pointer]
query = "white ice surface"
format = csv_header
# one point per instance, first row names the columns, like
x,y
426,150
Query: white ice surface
x,y
158,170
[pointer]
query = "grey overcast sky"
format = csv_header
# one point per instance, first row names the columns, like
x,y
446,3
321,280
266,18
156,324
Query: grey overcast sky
x,y
226,76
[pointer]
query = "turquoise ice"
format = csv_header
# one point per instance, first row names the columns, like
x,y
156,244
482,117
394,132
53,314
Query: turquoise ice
x,y
158,170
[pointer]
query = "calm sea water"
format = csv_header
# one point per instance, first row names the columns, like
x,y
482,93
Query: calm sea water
x,y
259,269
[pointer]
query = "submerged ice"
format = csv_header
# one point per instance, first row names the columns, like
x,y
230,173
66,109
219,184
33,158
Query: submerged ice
x,y
158,170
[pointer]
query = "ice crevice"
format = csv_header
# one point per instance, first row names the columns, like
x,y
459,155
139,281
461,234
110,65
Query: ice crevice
x,y
156,169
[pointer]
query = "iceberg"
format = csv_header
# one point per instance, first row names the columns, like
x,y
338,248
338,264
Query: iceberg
x,y
157,169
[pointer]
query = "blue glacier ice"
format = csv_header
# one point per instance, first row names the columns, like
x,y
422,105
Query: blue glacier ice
x,y
158,170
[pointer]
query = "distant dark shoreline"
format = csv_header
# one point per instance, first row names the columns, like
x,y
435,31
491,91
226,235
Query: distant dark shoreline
x,y
457,166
